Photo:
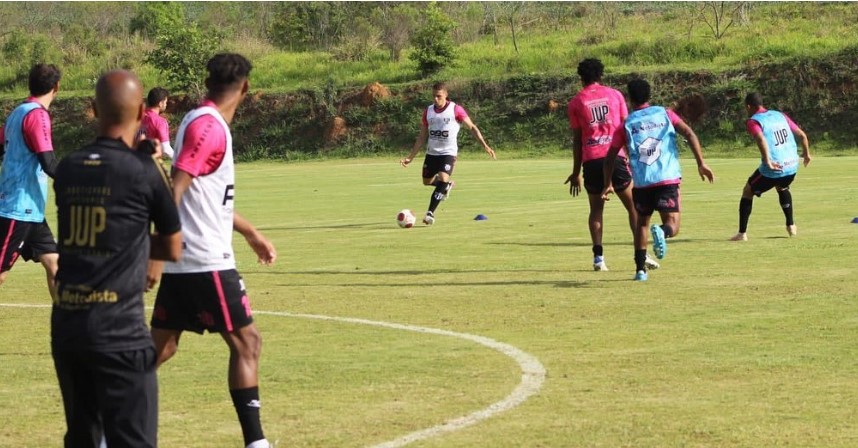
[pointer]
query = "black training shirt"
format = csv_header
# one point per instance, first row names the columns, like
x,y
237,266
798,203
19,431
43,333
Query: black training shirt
x,y
107,195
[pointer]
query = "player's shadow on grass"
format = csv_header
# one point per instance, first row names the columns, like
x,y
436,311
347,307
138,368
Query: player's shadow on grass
x,y
365,225
554,244
423,272
429,284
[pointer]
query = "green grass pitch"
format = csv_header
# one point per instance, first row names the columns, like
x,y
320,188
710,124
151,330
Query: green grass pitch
x,y
728,344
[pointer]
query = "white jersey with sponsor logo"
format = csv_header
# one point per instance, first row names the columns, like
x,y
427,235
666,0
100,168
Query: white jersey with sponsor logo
x,y
206,210
443,131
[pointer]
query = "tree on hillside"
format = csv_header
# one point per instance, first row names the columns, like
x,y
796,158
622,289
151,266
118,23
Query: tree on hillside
x,y
181,53
309,25
720,16
396,24
153,17
433,44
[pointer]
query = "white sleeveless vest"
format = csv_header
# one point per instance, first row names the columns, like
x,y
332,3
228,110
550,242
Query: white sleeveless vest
x,y
443,131
206,210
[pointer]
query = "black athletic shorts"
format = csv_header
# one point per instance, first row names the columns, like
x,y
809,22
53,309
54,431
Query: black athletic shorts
x,y
761,184
30,240
594,175
433,165
112,393
664,198
202,301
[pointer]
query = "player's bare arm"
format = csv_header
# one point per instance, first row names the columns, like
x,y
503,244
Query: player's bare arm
x,y
261,246
575,180
805,145
702,169
764,152
608,168
165,247
475,131
418,145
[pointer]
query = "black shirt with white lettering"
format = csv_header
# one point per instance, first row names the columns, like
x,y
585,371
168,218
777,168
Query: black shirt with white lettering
x,y
107,196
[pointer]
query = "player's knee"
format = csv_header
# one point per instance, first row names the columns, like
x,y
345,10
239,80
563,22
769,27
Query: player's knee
x,y
2,278
249,342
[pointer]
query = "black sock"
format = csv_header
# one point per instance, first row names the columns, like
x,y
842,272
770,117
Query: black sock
x,y
246,402
785,198
745,206
437,195
668,232
597,250
640,260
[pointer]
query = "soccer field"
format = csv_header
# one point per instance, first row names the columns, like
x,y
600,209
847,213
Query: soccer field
x,y
729,344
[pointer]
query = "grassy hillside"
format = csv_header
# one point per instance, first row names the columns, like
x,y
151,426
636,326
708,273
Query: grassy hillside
x,y
800,55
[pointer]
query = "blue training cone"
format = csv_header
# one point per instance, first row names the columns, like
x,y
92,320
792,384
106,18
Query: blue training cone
x,y
854,220
482,217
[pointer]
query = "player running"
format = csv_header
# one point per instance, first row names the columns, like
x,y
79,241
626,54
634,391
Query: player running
x,y
594,115
27,163
204,291
154,126
439,131
774,133
107,195
649,133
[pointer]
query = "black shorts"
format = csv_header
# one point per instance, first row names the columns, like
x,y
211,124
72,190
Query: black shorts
x,y
761,184
202,301
30,240
664,198
433,165
113,393
594,175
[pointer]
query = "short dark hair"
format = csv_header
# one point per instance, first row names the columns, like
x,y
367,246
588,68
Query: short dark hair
x,y
156,95
226,70
639,91
590,70
43,78
754,99
439,86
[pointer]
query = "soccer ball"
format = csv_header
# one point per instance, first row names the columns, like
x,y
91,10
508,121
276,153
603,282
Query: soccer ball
x,y
405,218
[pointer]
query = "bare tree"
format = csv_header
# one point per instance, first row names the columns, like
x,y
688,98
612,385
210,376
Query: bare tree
x,y
720,16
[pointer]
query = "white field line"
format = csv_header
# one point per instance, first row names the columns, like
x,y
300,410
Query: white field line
x,y
532,376
532,372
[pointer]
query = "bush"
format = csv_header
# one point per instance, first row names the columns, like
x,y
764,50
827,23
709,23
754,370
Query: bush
x,y
433,44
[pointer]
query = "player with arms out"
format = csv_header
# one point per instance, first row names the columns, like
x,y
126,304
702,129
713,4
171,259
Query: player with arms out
x,y
649,133
774,133
154,126
595,113
28,160
107,195
439,131
204,291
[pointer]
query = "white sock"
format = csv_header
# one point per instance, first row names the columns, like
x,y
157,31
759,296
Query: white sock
x,y
260,444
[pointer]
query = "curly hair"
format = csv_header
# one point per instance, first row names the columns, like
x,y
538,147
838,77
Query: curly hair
x,y
226,70
590,70
43,78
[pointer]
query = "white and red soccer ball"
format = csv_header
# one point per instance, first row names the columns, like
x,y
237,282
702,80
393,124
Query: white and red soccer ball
x,y
405,218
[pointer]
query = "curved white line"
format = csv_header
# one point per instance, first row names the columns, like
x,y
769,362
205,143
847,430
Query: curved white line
x,y
532,376
532,373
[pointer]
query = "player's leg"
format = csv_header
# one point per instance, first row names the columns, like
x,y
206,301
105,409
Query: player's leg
x,y
12,234
128,398
785,199
245,346
77,387
41,246
176,309
441,168
666,200
757,185
234,322
593,183
644,210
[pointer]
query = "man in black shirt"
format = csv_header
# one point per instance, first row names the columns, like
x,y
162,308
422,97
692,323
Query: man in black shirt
x,y
106,196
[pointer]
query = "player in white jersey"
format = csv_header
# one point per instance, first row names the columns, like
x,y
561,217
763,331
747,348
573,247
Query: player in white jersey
x,y
203,291
439,132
